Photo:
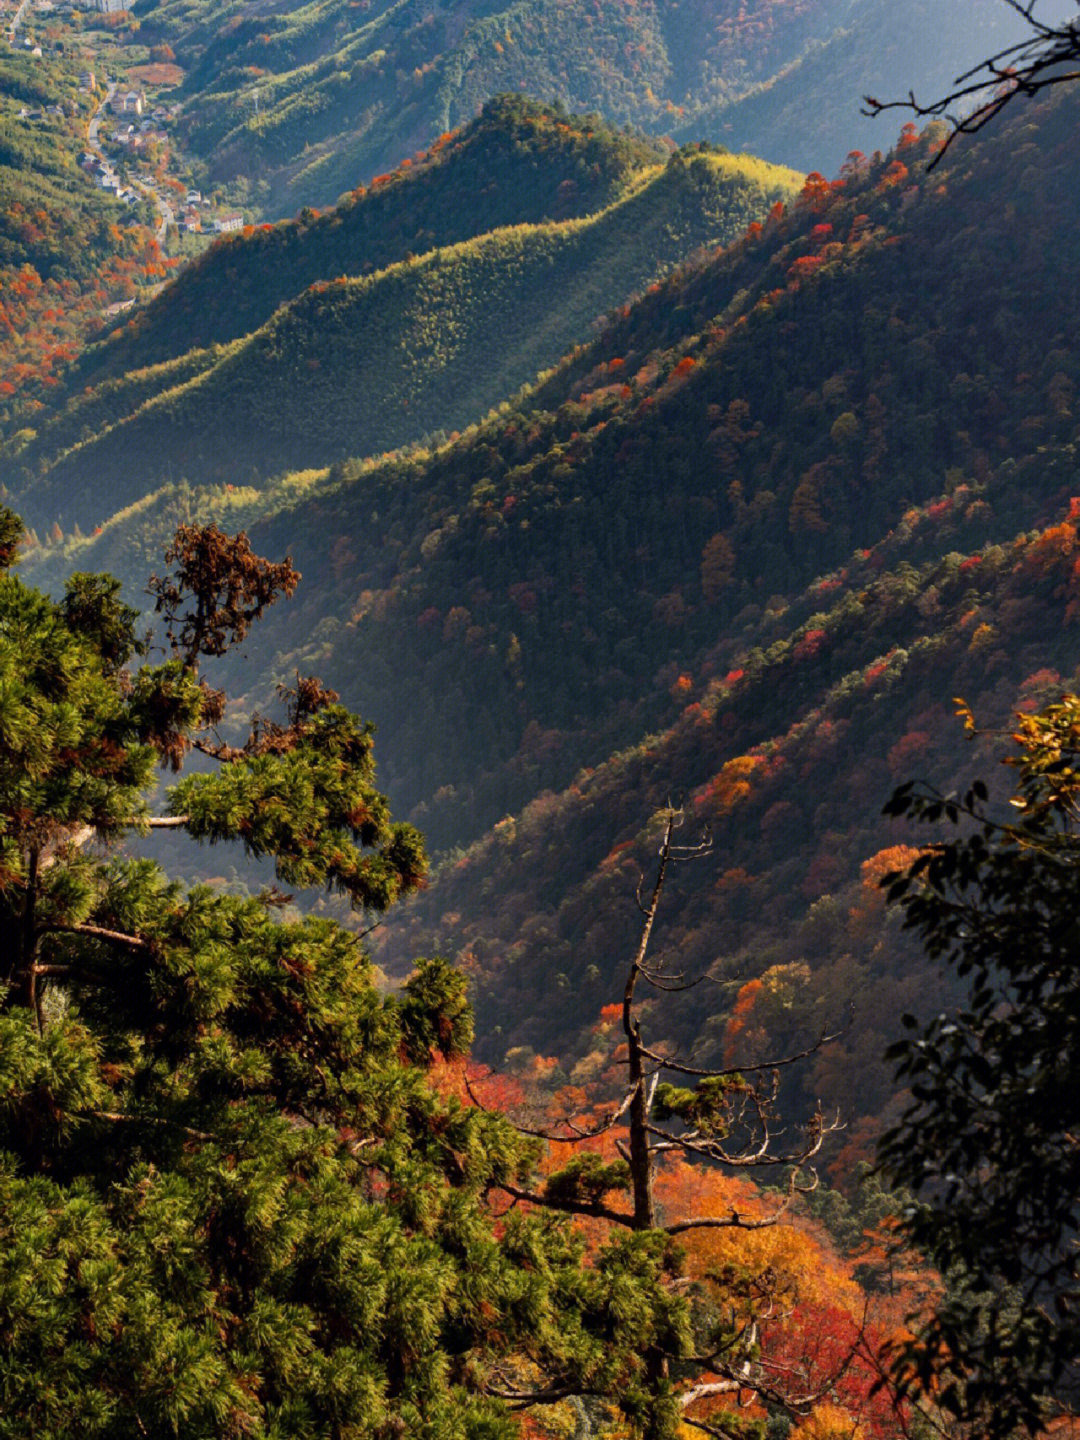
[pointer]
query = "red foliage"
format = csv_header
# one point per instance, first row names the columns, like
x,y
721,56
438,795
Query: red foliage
x,y
523,596
895,174
908,752
810,645
802,268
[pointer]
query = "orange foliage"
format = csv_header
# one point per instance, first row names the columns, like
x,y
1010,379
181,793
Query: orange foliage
x,y
803,268
43,324
745,1001
731,786
895,174
815,192
893,857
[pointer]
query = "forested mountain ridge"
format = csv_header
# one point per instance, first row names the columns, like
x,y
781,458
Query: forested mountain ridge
x,y
309,100
772,520
792,397
786,749
518,163
520,602
359,366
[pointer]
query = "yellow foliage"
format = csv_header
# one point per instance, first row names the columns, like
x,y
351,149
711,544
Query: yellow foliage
x,y
725,790
893,857
828,1422
800,1269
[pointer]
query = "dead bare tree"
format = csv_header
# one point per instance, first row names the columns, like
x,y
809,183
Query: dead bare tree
x,y
718,1117
1049,54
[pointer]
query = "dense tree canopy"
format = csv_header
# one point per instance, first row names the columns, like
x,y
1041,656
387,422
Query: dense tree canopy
x,y
989,1139
231,1200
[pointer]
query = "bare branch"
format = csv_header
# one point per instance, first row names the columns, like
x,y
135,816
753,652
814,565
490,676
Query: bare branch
x,y
1022,68
709,1429
677,987
736,1221
707,1389
550,1395
115,1118
731,1070
760,1156
96,932
592,1208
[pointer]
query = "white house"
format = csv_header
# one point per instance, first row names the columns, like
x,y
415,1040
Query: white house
x,y
128,102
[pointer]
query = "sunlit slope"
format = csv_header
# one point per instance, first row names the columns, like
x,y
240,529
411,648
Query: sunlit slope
x,y
518,163
523,602
358,366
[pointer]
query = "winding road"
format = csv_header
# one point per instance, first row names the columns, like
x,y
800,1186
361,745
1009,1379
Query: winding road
x,y
95,119
16,19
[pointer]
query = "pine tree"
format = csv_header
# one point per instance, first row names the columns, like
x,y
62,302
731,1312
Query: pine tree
x,y
232,1203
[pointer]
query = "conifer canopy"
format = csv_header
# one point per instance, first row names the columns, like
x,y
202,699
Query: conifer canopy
x,y
232,1201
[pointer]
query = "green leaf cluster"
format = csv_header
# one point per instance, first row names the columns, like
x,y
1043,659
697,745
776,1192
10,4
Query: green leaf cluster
x,y
706,1108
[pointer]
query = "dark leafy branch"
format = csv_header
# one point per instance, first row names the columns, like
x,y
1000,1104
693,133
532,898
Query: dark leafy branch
x,y
988,1141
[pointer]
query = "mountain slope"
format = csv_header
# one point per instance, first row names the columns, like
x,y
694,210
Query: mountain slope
x,y
744,549
520,602
360,366
787,758
518,163
309,99
809,112
67,248
730,437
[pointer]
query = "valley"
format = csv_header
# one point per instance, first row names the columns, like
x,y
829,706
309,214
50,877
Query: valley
x,y
659,462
